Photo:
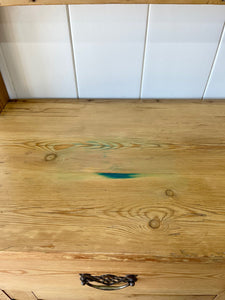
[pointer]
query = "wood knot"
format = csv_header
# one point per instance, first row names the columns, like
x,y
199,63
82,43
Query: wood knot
x,y
50,156
154,223
169,193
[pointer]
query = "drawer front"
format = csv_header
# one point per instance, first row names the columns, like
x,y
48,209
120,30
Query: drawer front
x,y
45,273
21,295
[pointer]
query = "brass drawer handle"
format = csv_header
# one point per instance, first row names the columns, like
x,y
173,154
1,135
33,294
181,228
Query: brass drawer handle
x,y
108,281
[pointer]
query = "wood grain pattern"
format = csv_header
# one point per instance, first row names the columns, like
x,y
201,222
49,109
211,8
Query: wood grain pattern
x,y
4,97
113,214
64,295
48,2
53,296
113,187
113,176
3,296
21,295
221,296
45,273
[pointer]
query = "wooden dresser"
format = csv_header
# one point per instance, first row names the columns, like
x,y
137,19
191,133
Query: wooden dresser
x,y
114,199
112,187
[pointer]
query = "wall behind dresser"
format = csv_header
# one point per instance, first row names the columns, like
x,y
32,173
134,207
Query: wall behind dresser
x,y
113,51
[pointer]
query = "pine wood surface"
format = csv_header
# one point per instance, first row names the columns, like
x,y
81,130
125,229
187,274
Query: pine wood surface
x,y
47,273
221,296
53,296
113,187
18,295
3,296
112,169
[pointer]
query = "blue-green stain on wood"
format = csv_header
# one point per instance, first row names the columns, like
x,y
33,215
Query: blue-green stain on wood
x,y
119,175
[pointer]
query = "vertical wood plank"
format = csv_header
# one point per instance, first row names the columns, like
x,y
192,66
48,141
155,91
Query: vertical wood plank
x,y
108,44
216,85
181,46
36,47
4,97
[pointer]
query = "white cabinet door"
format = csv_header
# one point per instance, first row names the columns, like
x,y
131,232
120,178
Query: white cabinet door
x,y
216,85
108,45
181,46
36,47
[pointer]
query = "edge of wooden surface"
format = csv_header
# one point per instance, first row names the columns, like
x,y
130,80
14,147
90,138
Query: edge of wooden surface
x,y
4,97
108,257
116,100
72,101
6,100
58,2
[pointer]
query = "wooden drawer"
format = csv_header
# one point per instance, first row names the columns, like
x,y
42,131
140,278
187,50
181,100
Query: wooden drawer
x,y
47,274
21,295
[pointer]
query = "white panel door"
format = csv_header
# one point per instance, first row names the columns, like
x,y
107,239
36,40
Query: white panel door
x,y
108,45
6,77
181,45
36,46
216,85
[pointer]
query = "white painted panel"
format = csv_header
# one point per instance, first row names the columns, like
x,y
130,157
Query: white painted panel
x,y
181,45
216,85
108,45
36,45
6,77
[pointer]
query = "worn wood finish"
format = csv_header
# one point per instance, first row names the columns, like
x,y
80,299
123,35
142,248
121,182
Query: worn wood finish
x,y
3,296
21,295
113,187
136,216
54,296
4,97
48,2
47,273
221,296
64,295
132,175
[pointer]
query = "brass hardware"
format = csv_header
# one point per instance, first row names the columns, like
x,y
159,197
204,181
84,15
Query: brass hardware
x,y
108,281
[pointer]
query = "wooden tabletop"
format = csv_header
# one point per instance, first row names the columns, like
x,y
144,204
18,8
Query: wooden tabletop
x,y
119,177
113,186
